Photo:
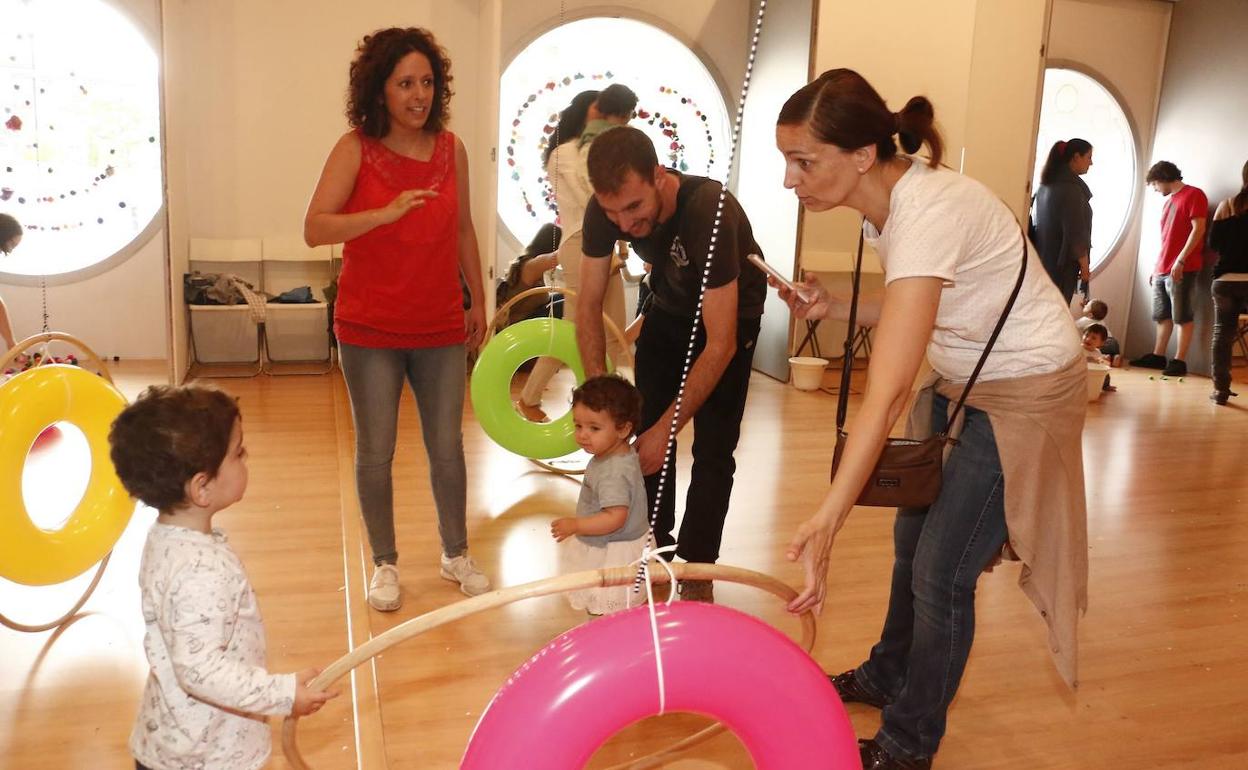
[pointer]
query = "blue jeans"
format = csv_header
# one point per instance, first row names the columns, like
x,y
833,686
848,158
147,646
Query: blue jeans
x,y
374,379
939,553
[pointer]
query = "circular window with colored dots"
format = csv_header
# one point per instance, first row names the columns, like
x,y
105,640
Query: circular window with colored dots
x,y
679,106
80,133
1077,105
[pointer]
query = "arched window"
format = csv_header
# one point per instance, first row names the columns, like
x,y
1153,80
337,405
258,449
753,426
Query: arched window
x,y
679,105
1076,105
80,144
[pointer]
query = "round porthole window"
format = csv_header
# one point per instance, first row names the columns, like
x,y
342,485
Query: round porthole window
x,y
679,105
80,143
1076,105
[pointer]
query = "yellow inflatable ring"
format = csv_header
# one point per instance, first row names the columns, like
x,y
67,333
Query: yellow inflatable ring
x,y
30,403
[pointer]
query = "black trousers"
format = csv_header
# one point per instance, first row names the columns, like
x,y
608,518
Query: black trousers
x,y
1230,298
661,351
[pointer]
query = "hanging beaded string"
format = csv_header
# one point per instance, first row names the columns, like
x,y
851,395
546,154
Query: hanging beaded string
x,y
643,568
556,233
43,288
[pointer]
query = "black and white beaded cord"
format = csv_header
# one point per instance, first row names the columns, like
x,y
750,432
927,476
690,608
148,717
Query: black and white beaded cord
x,y
643,568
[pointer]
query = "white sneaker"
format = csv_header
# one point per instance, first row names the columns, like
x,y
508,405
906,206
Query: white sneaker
x,y
463,570
384,593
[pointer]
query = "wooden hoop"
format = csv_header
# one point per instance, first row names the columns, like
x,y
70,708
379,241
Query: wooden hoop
x,y
492,327
35,629
45,339
601,578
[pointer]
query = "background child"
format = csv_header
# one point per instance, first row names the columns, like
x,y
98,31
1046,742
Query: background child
x,y
611,523
1093,338
1094,312
180,450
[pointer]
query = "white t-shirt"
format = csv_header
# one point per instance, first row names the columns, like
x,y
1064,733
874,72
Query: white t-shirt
x,y
945,225
569,178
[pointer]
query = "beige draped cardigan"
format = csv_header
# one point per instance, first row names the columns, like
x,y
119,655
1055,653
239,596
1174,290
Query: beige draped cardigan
x,y
1038,425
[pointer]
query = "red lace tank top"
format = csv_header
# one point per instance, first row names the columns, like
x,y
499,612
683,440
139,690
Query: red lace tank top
x,y
399,286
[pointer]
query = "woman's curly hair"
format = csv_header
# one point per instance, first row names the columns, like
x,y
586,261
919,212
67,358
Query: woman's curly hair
x,y
375,59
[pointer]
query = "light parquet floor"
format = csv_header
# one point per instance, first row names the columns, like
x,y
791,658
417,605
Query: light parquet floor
x,y
1164,662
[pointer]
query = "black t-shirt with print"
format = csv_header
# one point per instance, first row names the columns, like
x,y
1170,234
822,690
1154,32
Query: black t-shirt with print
x,y
677,249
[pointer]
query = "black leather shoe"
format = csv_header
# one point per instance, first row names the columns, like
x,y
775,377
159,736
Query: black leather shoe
x,y
851,691
874,757
1149,361
1220,397
1177,367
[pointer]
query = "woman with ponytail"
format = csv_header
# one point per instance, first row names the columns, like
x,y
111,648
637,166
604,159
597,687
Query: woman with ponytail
x,y
1228,236
951,252
1063,220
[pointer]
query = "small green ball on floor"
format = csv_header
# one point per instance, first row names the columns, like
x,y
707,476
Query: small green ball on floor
x,y
1180,379
1151,377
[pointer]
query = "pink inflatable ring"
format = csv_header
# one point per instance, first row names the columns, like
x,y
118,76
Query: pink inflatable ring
x,y
557,709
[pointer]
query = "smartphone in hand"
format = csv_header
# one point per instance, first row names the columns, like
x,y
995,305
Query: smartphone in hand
x,y
801,292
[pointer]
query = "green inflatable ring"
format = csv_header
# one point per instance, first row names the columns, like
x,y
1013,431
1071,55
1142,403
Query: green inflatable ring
x,y
491,387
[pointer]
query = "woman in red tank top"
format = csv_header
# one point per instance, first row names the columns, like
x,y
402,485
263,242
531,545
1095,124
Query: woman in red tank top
x,y
394,191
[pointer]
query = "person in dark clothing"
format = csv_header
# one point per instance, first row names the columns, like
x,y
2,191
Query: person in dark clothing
x,y
1228,236
525,272
669,219
1063,220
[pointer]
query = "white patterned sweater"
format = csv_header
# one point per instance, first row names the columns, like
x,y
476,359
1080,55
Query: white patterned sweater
x,y
207,688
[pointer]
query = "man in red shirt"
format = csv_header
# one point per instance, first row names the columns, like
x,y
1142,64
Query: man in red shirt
x,y
1182,236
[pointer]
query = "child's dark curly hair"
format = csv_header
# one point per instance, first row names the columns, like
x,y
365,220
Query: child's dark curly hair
x,y
375,59
166,437
612,394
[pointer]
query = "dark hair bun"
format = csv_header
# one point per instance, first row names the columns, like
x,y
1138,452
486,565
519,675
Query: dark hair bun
x,y
914,123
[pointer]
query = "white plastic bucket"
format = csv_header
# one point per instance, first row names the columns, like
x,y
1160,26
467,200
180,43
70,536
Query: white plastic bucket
x,y
807,372
1096,379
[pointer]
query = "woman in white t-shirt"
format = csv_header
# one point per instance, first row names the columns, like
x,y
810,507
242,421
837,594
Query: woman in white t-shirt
x,y
569,179
951,252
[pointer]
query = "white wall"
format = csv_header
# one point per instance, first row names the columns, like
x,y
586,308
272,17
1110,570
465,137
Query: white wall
x,y
782,65
255,96
1123,44
1005,82
176,70
1200,128
904,48
978,61
262,100
255,99
120,312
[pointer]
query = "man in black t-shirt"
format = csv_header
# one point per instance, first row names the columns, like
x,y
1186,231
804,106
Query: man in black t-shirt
x,y
669,220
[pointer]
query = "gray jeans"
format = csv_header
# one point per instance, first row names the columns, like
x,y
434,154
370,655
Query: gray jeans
x,y
375,382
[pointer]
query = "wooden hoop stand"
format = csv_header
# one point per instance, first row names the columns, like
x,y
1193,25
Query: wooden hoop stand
x,y
614,576
611,326
46,339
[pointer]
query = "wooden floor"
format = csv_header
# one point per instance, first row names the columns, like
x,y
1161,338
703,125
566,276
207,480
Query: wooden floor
x,y
1164,657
